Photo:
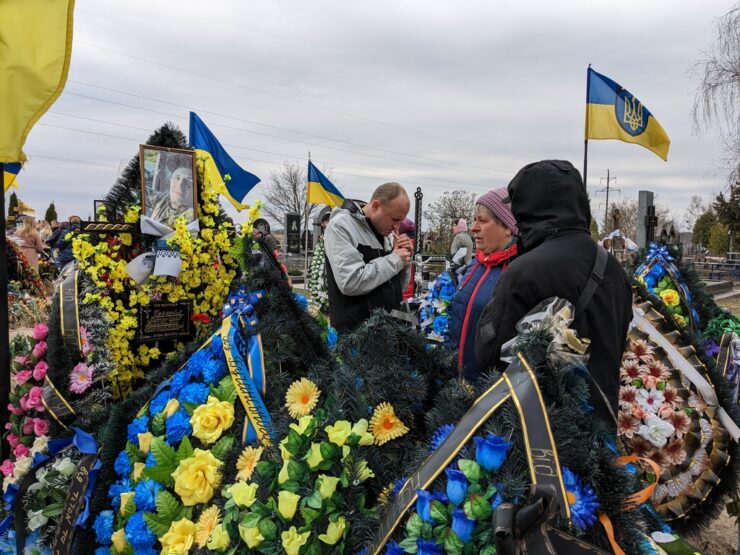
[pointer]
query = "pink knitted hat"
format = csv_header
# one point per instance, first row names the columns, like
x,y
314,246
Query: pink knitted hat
x,y
492,201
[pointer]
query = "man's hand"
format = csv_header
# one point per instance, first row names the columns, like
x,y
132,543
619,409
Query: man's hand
x,y
403,242
403,254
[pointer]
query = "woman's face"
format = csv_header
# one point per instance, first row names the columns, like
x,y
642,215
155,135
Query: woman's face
x,y
489,233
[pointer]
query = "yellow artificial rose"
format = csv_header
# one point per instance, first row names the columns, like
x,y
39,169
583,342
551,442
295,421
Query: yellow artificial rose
x,y
284,453
196,477
339,432
210,420
283,475
364,472
287,503
302,425
243,494
171,407
219,539
313,457
360,430
138,469
119,540
670,297
251,535
293,541
126,496
327,485
334,531
145,441
179,538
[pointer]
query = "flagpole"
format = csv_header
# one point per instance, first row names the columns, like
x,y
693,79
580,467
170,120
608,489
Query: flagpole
x,y
4,321
585,140
305,232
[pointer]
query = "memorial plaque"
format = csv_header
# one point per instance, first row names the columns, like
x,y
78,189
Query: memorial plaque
x,y
293,232
165,320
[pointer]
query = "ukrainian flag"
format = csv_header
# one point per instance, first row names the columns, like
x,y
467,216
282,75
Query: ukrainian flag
x,y
10,173
220,170
321,190
612,112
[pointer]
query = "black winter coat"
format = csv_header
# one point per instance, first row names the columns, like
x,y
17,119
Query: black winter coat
x,y
549,202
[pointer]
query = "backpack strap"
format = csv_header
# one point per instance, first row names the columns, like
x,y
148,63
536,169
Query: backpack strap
x,y
594,280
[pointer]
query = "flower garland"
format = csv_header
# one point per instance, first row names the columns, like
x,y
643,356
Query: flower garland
x,y
317,278
27,426
433,317
20,270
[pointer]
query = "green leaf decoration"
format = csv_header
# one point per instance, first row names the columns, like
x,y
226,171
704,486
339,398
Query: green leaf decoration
x,y
453,544
268,529
409,545
471,469
222,447
190,408
163,453
158,424
297,471
160,474
225,390
314,548
185,450
251,520
53,509
291,485
314,500
167,506
157,525
413,526
439,512
129,509
133,452
309,515
260,508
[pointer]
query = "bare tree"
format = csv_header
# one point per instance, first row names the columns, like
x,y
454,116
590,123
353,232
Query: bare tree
x,y
444,213
627,219
717,102
696,208
286,192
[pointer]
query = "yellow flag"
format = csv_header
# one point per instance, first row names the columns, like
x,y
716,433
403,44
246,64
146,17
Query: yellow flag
x,y
35,48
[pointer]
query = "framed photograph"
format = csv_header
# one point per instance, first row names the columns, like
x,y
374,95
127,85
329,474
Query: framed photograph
x,y
168,185
101,208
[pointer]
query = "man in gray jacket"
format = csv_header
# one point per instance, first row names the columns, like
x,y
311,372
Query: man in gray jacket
x,y
367,261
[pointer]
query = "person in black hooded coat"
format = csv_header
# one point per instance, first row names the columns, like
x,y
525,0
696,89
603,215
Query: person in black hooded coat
x,y
549,201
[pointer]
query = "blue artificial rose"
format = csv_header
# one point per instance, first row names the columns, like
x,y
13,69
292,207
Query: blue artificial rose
x,y
440,324
145,495
462,525
178,426
331,337
159,402
657,271
122,466
424,505
301,301
392,548
457,486
138,533
194,393
650,281
115,491
439,496
213,371
138,426
103,527
439,436
447,291
490,451
428,547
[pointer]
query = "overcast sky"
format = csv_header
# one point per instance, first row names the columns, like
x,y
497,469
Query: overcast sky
x,y
441,95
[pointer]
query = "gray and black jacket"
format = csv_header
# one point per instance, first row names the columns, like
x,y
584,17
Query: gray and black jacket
x,y
362,271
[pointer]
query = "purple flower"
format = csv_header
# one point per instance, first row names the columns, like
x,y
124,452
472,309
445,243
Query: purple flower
x,y
490,452
462,525
711,349
80,379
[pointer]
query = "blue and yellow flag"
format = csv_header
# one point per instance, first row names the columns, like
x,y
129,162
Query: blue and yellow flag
x,y
321,190
221,171
10,175
612,112
35,49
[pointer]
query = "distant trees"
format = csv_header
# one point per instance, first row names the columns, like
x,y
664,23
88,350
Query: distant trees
x,y
51,213
444,213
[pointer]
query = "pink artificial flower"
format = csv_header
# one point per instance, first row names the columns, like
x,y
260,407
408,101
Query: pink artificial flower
x,y
15,410
22,361
627,424
22,376
85,340
33,399
627,396
7,467
21,451
39,371
40,331
13,440
629,371
80,379
638,412
671,396
40,426
675,452
640,349
657,369
648,381
665,411
27,427
39,349
681,422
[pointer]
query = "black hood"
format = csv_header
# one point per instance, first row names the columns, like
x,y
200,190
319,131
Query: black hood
x,y
548,198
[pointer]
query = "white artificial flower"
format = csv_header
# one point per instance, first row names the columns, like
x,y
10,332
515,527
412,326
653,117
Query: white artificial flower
x,y
22,466
39,445
64,466
36,519
656,430
650,399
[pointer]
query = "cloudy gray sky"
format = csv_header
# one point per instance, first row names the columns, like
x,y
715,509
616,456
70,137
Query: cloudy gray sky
x,y
438,94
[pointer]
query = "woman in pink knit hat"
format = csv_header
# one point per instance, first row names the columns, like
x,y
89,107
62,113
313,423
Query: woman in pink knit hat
x,y
495,231
462,240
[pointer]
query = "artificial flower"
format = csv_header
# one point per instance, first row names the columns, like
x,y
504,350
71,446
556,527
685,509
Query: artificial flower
x,y
656,430
23,376
582,499
138,469
40,331
627,396
385,425
209,421
80,379
251,535
627,424
171,407
641,447
364,472
118,538
327,485
39,349
670,297
103,527
629,370
243,494
145,495
207,522
671,396
490,451
334,531
126,497
640,349
138,534
302,425
7,467
424,505
64,466
145,442
314,457
680,422
675,452
247,462
650,399
287,503
219,539
178,426
36,519
462,525
428,547
39,371
179,538
292,541
301,398
196,477
359,429
339,432
457,486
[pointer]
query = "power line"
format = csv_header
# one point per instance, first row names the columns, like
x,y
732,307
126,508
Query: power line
x,y
282,97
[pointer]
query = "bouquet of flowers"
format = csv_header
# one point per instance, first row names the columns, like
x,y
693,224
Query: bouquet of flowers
x,y
433,317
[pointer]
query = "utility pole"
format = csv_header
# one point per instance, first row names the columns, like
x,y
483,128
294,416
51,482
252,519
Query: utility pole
x,y
606,190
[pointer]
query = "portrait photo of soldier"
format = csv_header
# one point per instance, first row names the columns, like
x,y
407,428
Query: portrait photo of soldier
x,y
168,184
